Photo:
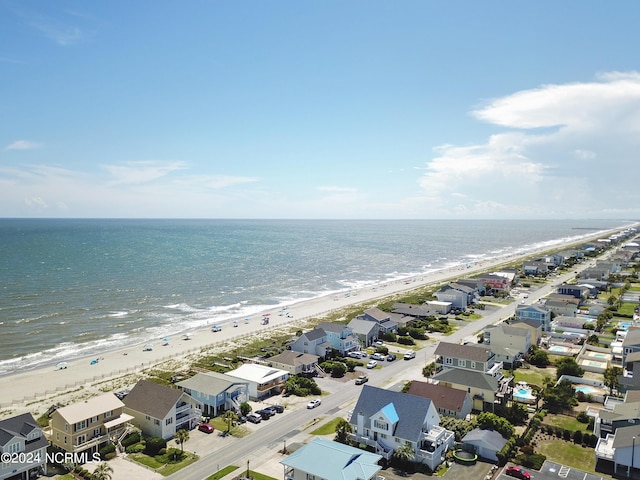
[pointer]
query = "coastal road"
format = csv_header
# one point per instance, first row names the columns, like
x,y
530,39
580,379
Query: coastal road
x,y
261,445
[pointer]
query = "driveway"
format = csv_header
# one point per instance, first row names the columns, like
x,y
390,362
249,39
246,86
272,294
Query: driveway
x,y
555,471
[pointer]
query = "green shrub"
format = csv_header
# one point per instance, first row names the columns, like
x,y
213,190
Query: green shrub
x,y
131,439
135,448
533,460
154,445
406,341
107,449
577,437
389,337
110,456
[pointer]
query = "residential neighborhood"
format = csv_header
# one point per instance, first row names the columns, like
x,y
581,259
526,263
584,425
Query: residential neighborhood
x,y
455,382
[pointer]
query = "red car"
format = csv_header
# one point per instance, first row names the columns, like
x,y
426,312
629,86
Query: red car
x,y
518,473
206,428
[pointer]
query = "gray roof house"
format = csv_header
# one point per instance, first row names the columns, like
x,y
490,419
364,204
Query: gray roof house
x,y
485,443
295,363
366,330
385,420
21,436
161,411
216,392
619,448
314,342
485,390
536,312
477,358
382,318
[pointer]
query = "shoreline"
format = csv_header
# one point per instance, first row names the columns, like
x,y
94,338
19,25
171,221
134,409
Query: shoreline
x,y
28,387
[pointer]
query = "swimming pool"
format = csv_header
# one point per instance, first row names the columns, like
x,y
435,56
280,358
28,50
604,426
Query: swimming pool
x,y
558,348
586,389
523,395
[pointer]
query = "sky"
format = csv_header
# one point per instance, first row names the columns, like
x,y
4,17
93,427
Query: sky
x,y
320,109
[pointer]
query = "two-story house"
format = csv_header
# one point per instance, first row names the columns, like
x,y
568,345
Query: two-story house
x,y
630,344
619,450
366,331
536,312
340,337
314,342
22,439
384,319
295,363
160,411
506,336
216,392
580,292
477,358
90,424
263,381
458,295
385,420
497,281
488,392
534,328
321,458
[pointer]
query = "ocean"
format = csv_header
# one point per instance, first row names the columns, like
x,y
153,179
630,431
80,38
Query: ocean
x,y
71,287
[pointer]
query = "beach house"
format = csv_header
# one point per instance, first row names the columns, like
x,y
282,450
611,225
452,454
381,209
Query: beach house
x,y
384,319
506,336
385,420
90,424
263,381
366,331
458,295
215,392
295,363
488,392
340,337
313,341
536,312
619,450
473,357
450,402
534,328
160,411
21,438
321,458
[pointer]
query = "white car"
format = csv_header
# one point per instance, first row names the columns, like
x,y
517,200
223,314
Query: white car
x,y
372,364
377,356
314,403
409,355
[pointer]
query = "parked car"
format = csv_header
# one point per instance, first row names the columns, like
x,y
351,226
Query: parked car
x,y
372,364
265,413
378,343
206,428
391,357
216,328
254,418
355,354
362,379
242,419
409,355
314,403
377,356
275,409
518,472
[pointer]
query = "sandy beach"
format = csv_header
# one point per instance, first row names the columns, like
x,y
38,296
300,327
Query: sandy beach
x,y
36,390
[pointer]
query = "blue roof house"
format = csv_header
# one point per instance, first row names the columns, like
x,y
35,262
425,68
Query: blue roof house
x,y
385,420
323,458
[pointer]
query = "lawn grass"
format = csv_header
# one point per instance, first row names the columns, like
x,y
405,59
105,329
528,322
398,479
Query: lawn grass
x,y
569,454
565,421
327,428
160,465
220,424
222,473
534,375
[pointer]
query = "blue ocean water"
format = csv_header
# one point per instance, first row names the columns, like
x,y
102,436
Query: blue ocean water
x,y
70,288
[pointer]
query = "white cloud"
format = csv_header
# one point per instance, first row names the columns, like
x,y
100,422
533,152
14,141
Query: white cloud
x,y
546,165
141,172
22,145
63,35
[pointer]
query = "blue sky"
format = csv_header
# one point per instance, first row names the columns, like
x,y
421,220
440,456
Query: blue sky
x,y
319,109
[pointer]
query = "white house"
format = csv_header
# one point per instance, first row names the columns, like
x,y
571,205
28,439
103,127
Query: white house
x,y
263,381
21,437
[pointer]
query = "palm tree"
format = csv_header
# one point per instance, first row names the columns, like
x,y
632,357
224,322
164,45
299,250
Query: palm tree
x,y
102,472
343,429
404,454
181,437
230,417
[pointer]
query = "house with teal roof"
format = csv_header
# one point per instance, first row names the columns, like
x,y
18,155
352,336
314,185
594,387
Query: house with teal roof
x,y
323,458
